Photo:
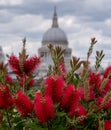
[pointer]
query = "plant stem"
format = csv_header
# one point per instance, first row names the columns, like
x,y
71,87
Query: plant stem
x,y
8,119
48,125
23,83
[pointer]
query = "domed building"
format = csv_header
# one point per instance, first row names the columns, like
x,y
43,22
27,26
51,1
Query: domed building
x,y
2,57
57,37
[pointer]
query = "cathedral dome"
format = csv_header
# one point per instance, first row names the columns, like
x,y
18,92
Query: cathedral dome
x,y
54,35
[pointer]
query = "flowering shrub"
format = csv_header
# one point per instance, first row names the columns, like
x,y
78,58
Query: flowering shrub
x,y
64,100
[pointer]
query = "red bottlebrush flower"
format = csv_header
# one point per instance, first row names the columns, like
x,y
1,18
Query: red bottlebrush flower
x,y
31,64
8,79
6,101
75,102
26,82
95,80
14,64
107,71
67,96
107,125
44,107
54,88
80,111
107,87
91,96
108,105
100,101
23,104
82,93
62,67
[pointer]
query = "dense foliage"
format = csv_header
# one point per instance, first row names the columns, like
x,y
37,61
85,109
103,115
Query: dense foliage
x,y
61,100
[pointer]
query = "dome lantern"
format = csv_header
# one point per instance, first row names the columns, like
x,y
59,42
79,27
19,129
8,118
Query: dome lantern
x,y
54,35
55,19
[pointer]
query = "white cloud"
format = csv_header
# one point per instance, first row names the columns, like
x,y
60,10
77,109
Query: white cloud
x,y
69,23
26,24
99,4
78,25
55,1
13,44
11,2
79,34
108,22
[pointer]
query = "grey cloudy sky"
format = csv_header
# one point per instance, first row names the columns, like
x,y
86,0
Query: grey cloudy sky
x,y
80,19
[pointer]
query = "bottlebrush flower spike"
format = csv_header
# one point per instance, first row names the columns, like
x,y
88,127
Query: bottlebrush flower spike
x,y
75,102
23,104
8,79
107,87
6,101
94,80
107,125
80,111
67,96
44,107
107,72
14,64
26,82
23,65
31,64
100,101
54,88
104,102
91,94
62,67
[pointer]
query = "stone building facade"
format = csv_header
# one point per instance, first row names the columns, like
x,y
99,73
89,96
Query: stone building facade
x,y
57,37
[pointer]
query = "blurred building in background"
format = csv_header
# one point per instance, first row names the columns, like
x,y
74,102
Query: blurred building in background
x,y
57,37
2,57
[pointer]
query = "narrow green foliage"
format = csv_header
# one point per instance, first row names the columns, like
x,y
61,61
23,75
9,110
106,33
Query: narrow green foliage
x,y
99,57
72,76
93,42
85,72
23,56
75,63
57,54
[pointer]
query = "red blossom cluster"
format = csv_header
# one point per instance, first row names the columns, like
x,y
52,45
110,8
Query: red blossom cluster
x,y
28,66
70,97
44,107
58,93
24,68
23,104
6,100
107,125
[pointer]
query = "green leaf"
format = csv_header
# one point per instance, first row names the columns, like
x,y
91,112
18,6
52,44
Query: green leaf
x,y
61,128
35,127
60,114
